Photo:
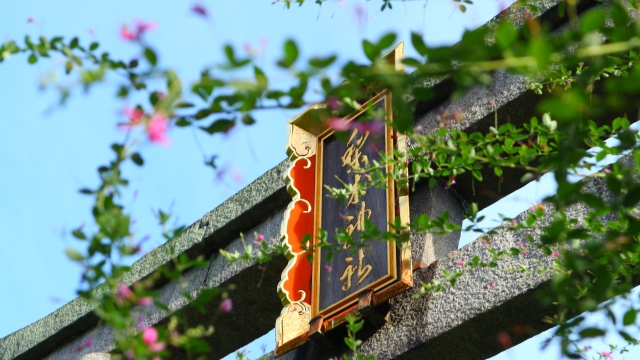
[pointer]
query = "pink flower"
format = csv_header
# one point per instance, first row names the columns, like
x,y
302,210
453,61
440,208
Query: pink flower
x,y
373,147
157,129
150,335
536,206
492,285
606,354
157,347
135,115
339,124
226,305
90,30
334,103
342,216
372,127
86,344
504,340
607,171
460,262
200,10
32,20
140,323
124,292
127,34
145,301
260,237
143,27
327,267
587,348
360,13
140,27
554,254
236,175
418,128
367,176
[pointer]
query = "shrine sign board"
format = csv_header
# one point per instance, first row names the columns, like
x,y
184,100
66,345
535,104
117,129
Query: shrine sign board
x,y
327,289
338,279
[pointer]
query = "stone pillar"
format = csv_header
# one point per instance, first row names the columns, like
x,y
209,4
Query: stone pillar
x,y
427,248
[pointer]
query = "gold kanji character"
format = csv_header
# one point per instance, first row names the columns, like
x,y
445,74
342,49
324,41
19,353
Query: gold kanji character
x,y
363,271
353,156
359,224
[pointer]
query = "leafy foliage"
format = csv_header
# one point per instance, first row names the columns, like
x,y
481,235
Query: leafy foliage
x,y
583,75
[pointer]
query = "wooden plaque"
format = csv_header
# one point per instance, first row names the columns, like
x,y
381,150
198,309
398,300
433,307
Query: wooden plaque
x,y
326,290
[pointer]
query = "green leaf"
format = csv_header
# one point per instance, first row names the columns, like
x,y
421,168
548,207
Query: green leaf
x,y
222,125
591,332
411,62
526,177
632,197
93,46
182,122
247,119
619,15
498,171
137,159
74,255
419,44
627,337
33,59
201,114
386,41
629,317
78,234
322,63
290,54
541,50
370,50
74,43
432,183
506,34
68,67
151,56
592,20
473,209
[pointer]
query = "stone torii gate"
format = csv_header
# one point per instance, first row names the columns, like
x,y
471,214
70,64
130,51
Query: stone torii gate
x,y
461,322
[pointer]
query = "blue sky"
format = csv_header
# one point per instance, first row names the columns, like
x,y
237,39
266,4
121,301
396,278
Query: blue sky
x,y
47,153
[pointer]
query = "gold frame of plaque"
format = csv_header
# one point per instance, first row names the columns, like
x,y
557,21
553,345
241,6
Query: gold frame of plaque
x,y
303,316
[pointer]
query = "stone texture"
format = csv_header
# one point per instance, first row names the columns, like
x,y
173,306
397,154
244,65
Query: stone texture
x,y
433,202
